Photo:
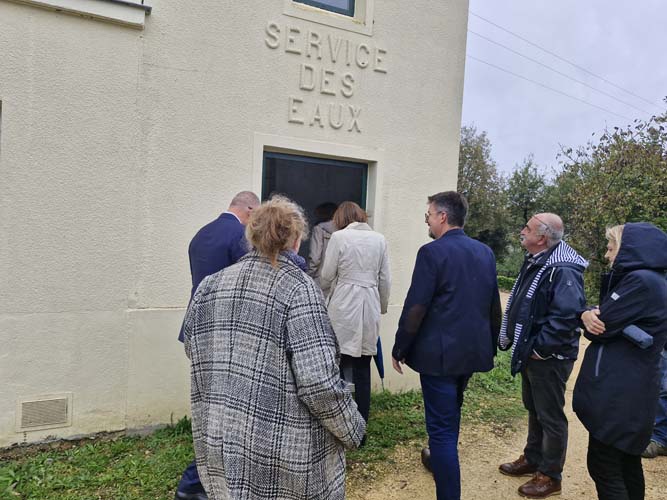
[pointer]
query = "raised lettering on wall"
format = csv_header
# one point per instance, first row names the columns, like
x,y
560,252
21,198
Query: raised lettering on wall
x,y
330,67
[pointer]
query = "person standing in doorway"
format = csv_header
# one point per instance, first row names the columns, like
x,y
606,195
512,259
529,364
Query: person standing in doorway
x,y
355,276
319,238
541,326
217,245
448,329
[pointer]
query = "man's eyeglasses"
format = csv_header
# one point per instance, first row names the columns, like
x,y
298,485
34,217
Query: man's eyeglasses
x,y
427,215
547,227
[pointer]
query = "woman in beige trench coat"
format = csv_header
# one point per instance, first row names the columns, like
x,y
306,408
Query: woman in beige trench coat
x,y
355,275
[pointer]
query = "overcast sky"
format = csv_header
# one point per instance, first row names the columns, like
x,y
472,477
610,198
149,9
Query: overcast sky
x,y
624,42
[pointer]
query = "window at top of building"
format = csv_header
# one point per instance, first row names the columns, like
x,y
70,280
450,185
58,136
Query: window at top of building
x,y
345,7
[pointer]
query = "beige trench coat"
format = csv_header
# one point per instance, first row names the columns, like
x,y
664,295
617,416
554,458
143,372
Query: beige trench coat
x,y
355,275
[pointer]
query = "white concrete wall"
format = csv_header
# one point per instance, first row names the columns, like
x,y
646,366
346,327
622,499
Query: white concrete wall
x,y
117,144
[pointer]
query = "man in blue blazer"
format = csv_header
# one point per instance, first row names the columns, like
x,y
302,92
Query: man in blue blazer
x,y
217,245
448,329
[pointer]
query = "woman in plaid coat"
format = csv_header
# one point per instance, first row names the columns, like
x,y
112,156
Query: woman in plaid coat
x,y
270,414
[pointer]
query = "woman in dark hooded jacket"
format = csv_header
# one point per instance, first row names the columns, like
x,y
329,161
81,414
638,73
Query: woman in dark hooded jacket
x,y
617,389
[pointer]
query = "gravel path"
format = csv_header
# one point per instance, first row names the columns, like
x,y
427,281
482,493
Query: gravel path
x,y
481,451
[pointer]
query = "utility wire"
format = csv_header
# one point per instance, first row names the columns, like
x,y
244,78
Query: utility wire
x,y
565,60
560,72
549,88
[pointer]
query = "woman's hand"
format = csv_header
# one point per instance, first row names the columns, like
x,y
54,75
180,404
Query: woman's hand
x,y
591,321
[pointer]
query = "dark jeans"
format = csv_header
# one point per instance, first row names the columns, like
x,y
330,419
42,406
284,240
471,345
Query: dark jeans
x,y
660,428
190,482
443,397
617,475
543,393
358,371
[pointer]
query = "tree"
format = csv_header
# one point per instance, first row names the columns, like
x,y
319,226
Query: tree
x,y
479,181
525,192
621,178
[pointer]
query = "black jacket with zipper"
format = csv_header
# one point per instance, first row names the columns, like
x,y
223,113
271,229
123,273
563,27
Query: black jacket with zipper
x,y
616,393
548,320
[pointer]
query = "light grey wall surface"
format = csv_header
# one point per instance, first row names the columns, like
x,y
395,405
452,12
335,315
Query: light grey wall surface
x,y
117,144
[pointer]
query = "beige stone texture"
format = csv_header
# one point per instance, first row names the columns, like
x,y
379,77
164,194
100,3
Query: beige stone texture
x,y
118,143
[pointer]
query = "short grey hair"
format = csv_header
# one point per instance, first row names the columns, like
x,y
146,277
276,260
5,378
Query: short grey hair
x,y
453,204
245,199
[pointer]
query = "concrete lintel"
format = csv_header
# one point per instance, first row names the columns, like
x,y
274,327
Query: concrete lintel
x,y
124,12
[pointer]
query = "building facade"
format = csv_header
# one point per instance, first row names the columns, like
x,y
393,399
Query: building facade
x,y
125,127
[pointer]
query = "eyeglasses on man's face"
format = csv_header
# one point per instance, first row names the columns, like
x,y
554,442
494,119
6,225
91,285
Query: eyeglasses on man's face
x,y
428,214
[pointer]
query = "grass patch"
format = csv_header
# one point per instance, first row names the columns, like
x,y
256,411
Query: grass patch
x,y
494,398
395,419
140,468
120,468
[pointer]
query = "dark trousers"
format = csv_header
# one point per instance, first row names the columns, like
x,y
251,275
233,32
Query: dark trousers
x,y
190,482
443,397
617,475
358,371
660,427
543,393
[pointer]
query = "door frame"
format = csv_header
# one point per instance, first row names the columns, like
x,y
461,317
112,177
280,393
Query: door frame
x,y
373,157
321,161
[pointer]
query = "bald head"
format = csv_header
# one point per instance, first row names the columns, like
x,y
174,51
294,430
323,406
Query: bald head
x,y
245,199
541,232
551,226
242,204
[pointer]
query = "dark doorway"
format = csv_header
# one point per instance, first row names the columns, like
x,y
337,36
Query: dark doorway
x,y
311,181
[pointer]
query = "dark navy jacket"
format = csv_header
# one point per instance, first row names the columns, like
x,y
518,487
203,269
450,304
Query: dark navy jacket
x,y
451,315
616,393
543,310
217,245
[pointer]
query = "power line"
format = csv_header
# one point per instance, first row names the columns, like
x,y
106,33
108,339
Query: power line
x,y
560,72
564,60
549,88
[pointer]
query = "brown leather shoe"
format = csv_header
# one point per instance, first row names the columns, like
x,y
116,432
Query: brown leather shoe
x,y
520,467
540,486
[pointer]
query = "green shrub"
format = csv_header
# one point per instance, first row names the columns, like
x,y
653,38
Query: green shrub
x,y
505,283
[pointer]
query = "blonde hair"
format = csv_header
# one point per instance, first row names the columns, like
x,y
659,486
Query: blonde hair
x,y
275,226
348,212
614,234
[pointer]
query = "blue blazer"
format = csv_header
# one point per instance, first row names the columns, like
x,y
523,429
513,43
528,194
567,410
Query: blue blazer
x,y
217,245
451,316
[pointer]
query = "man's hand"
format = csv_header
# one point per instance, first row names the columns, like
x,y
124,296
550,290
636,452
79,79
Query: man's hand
x,y
397,365
591,321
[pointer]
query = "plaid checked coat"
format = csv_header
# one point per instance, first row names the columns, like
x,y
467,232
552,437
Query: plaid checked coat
x,y
270,413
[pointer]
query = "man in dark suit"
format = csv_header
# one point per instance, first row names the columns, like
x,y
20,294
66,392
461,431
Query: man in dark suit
x,y
217,245
448,329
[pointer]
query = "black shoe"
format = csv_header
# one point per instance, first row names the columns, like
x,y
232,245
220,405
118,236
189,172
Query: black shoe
x,y
426,459
182,495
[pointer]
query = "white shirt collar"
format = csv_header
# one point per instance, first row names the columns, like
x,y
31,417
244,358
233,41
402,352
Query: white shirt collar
x,y
232,213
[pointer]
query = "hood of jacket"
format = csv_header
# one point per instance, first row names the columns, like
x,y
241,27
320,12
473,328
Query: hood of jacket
x,y
564,255
643,246
328,227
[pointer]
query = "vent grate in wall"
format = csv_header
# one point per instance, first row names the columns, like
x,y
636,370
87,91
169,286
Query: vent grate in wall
x,y
45,412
